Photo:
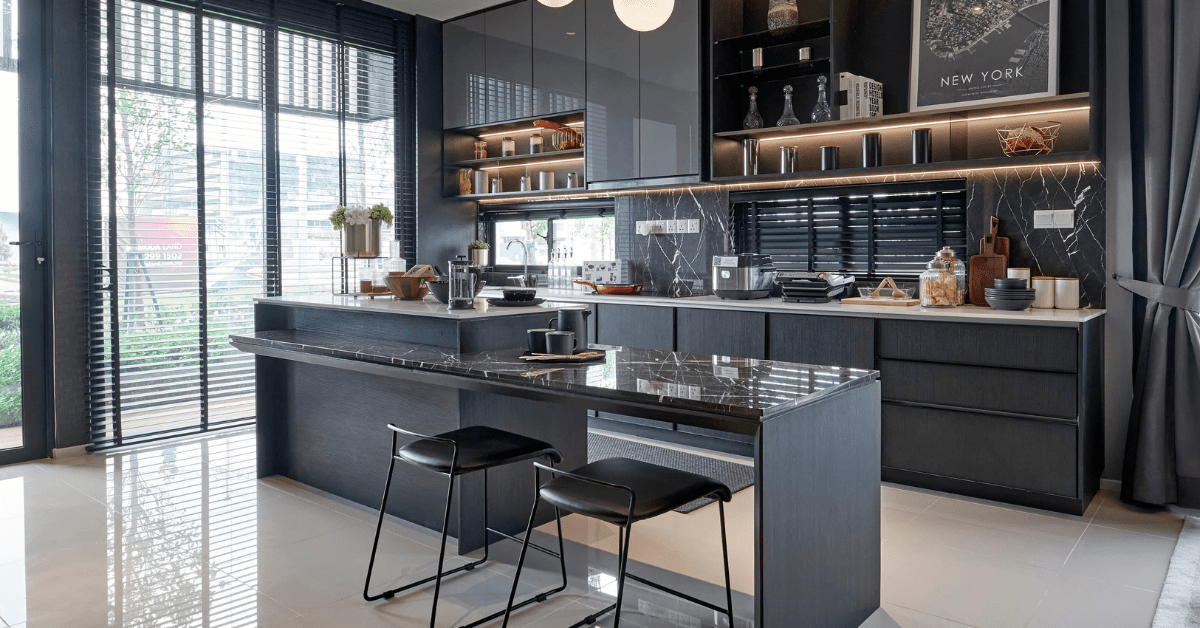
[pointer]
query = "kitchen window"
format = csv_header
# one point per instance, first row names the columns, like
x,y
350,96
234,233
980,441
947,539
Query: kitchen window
x,y
578,233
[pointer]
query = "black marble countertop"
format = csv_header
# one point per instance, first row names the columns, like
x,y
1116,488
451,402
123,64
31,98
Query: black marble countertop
x,y
737,387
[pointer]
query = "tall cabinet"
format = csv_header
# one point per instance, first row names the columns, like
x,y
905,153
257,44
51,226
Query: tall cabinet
x,y
559,45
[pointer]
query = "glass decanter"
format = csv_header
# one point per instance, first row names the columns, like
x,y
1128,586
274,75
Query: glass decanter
x,y
822,112
789,117
753,119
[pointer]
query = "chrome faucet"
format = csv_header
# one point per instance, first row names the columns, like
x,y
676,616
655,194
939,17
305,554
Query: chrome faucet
x,y
524,278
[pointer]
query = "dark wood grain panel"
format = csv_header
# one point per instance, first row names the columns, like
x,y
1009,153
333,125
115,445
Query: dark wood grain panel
x,y
1091,407
1017,453
824,340
827,455
644,326
438,332
982,388
722,332
1010,346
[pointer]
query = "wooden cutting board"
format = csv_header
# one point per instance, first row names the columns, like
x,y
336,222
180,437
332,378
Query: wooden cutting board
x,y
882,302
986,268
1002,248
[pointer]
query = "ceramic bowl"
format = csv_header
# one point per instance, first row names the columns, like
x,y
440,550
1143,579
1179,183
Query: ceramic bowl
x,y
1009,304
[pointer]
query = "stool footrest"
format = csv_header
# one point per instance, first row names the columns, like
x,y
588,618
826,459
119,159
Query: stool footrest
x,y
591,619
539,598
678,594
532,545
392,593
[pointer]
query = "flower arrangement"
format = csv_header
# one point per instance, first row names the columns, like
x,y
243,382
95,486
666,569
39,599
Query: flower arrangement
x,y
479,245
359,215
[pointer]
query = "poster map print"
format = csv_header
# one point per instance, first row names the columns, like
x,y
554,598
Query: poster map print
x,y
975,51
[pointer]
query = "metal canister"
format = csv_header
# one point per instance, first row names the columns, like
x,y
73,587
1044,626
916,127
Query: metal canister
x,y
481,182
573,180
546,180
526,183
749,157
787,159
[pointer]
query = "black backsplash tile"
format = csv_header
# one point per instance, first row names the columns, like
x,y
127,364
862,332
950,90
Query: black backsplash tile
x,y
672,264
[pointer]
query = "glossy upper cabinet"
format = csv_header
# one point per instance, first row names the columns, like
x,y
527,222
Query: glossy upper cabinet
x,y
613,117
559,45
508,61
670,96
463,72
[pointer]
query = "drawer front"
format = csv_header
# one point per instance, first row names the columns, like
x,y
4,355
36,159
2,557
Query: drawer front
x,y
642,326
1018,453
1010,346
981,388
721,332
729,436
824,340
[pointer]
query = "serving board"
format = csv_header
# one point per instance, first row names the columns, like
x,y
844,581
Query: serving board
x,y
883,302
550,358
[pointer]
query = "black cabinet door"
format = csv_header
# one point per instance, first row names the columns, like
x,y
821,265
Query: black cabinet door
x,y
508,61
823,340
463,72
558,67
613,109
644,326
670,99
722,332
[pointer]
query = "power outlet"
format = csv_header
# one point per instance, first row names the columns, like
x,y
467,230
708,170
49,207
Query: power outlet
x,y
693,225
668,226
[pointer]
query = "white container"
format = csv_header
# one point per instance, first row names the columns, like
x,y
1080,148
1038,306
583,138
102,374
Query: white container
x,y
1020,273
1066,293
1045,292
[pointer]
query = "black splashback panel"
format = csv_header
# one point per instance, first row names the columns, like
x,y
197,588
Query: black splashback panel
x,y
674,264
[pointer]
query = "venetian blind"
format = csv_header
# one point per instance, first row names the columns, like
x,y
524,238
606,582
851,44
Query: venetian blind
x,y
222,135
870,231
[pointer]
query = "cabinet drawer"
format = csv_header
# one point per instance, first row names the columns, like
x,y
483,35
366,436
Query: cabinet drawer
x,y
643,326
822,340
983,388
1018,453
721,332
1010,346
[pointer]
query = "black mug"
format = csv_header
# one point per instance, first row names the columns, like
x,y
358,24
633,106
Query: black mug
x,y
537,340
560,342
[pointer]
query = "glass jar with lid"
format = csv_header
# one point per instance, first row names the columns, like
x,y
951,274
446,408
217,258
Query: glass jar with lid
x,y
480,150
508,147
944,282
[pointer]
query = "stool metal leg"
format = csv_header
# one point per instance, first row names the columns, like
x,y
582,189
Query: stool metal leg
x,y
725,555
623,561
437,586
387,486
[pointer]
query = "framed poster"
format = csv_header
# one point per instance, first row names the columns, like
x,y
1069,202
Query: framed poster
x,y
982,51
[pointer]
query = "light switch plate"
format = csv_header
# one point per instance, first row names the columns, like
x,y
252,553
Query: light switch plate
x,y
1043,219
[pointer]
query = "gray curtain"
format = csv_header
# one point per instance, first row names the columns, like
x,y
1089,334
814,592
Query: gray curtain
x,y
1162,463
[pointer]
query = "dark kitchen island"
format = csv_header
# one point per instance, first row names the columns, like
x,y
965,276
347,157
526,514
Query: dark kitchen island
x,y
333,372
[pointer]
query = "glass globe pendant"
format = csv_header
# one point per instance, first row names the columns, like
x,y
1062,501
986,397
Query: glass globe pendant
x,y
644,15
555,4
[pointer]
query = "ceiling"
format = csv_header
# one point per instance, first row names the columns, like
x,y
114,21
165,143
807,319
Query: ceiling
x,y
437,9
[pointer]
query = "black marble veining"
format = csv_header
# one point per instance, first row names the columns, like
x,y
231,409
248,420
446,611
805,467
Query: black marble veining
x,y
755,389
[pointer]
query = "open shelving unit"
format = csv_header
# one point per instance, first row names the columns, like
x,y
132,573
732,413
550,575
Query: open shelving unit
x,y
964,137
458,148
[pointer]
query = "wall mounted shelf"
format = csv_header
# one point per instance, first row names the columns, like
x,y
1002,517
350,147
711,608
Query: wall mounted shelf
x,y
813,67
916,169
809,30
574,154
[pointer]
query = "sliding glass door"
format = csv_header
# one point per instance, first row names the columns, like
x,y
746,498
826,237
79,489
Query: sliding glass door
x,y
23,261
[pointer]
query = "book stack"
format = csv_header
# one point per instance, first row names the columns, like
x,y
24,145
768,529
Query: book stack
x,y
806,287
864,97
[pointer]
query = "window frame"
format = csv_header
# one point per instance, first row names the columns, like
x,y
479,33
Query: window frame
x,y
487,219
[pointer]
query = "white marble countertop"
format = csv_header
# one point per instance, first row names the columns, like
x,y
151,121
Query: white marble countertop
x,y
967,313
428,307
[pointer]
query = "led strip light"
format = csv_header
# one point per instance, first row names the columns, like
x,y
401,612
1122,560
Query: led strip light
x,y
915,125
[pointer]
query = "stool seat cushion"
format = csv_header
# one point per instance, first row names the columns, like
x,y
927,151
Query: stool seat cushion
x,y
478,448
656,489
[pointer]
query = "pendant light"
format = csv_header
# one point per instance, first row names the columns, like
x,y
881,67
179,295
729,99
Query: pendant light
x,y
555,4
644,15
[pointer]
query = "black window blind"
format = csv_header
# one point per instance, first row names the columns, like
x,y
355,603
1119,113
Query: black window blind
x,y
222,134
872,231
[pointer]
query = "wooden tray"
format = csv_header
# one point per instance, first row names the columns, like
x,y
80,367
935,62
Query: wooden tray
x,y
591,355
882,302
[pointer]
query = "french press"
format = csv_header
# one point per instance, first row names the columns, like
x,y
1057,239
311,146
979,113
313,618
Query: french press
x,y
462,284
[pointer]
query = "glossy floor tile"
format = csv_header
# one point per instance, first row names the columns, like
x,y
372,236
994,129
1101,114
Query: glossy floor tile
x,y
184,534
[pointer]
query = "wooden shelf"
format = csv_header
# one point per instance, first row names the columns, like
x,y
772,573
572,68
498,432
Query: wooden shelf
x,y
799,69
801,32
962,113
575,154
904,169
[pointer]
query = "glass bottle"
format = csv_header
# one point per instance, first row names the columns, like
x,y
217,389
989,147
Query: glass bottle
x,y
753,119
789,117
508,147
480,149
535,143
822,112
782,14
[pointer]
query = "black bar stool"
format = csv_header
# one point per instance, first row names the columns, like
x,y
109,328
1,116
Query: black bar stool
x,y
458,453
622,491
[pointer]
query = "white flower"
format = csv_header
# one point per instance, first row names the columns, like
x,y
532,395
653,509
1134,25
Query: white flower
x,y
358,215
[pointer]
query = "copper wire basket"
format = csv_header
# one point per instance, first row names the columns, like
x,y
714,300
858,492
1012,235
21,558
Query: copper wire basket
x,y
1031,138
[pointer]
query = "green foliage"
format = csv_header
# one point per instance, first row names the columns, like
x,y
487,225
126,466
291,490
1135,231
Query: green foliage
x,y
381,212
479,245
338,218
10,364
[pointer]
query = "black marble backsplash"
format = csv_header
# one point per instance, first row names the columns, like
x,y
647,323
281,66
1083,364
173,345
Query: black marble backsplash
x,y
678,265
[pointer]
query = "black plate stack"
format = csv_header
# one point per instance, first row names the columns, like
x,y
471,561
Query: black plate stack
x,y
1010,294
